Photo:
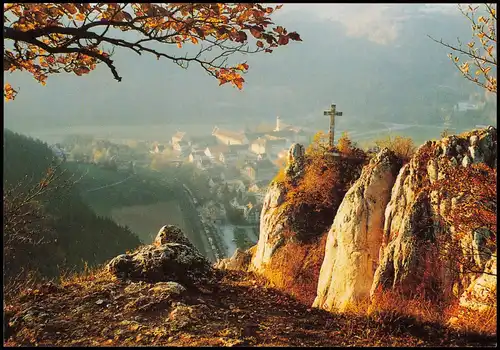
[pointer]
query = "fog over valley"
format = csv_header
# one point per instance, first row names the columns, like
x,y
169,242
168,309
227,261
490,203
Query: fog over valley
x,y
376,63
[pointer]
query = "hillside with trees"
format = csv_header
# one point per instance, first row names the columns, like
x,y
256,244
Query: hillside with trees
x,y
47,226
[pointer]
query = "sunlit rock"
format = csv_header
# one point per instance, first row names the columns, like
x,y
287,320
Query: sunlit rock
x,y
355,237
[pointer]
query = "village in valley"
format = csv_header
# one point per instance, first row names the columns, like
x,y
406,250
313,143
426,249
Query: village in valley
x,y
225,173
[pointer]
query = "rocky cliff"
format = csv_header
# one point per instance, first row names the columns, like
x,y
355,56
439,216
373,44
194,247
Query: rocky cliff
x,y
143,299
417,255
296,216
273,219
392,230
352,248
423,230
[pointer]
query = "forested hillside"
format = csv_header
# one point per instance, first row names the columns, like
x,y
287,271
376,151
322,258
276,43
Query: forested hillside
x,y
44,215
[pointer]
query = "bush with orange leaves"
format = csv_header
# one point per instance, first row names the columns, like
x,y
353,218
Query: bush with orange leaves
x,y
474,220
313,201
476,185
311,204
403,147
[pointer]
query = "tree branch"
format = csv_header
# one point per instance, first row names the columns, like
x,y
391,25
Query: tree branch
x,y
462,51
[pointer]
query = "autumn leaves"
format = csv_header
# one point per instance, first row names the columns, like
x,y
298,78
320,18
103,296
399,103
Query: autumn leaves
x,y
51,38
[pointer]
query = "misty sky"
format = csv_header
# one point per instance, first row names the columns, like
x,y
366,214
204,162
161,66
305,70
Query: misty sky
x,y
371,59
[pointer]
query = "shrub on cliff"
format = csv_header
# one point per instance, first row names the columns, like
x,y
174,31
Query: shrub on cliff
x,y
403,147
314,199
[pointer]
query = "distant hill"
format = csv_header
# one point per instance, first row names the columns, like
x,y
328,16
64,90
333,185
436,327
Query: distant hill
x,y
74,235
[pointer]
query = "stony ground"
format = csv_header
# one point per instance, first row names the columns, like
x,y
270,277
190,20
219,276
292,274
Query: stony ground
x,y
240,310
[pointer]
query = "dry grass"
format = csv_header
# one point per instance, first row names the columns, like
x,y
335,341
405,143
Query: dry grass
x,y
252,250
241,312
15,285
87,275
145,219
280,176
403,147
481,322
295,267
391,307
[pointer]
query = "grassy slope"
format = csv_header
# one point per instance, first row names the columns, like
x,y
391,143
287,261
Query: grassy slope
x,y
144,202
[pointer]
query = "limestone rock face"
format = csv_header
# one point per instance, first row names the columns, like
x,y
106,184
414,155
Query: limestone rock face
x,y
272,224
353,242
295,161
273,218
412,258
482,291
164,261
239,261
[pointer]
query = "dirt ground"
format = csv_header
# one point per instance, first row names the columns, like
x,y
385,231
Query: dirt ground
x,y
241,311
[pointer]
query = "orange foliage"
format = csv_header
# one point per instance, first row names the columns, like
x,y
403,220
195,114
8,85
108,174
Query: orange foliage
x,y
481,51
344,144
392,306
482,322
280,176
403,147
473,216
314,200
477,184
319,144
50,38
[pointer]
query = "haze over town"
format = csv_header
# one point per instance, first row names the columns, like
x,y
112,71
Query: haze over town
x,y
374,61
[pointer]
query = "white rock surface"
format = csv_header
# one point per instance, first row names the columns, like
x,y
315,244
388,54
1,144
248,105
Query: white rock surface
x,y
353,242
272,223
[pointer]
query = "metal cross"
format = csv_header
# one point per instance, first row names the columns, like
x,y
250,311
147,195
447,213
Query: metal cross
x,y
332,113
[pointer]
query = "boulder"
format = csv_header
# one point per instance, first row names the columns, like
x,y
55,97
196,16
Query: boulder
x,y
295,162
163,261
172,234
354,240
238,262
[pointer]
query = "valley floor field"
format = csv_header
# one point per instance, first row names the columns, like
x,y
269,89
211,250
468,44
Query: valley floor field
x,y
146,220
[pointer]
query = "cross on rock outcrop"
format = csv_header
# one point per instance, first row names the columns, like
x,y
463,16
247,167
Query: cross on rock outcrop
x,y
332,113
